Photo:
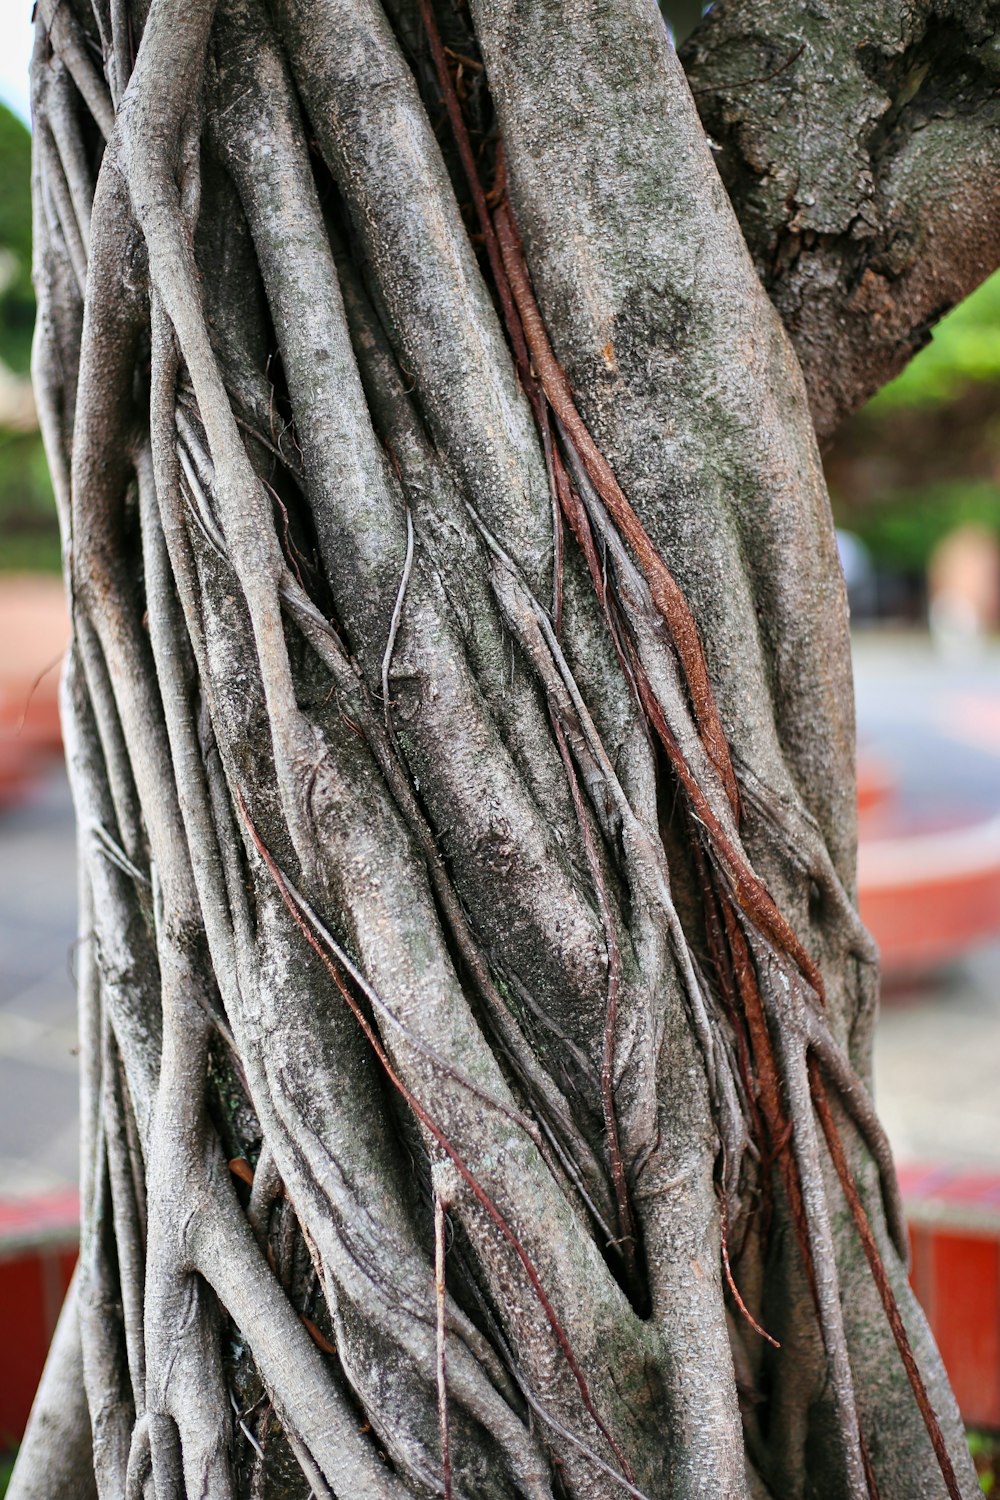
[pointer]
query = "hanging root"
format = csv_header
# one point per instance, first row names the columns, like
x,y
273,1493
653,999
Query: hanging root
x,y
874,1259
525,327
479,1193
442,1363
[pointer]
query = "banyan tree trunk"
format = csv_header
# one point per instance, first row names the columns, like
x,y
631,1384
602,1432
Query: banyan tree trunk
x,y
475,1016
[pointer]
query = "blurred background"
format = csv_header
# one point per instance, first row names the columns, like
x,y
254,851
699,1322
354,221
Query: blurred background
x,y
915,484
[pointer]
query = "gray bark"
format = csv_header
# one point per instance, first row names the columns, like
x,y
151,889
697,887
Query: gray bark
x,y
480,889
860,146
55,1456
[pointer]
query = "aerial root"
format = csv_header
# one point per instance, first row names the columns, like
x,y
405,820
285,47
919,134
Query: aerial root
x,y
886,1294
476,1188
743,898
440,1289
626,1237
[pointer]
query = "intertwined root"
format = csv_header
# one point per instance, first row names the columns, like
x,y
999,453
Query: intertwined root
x,y
451,1073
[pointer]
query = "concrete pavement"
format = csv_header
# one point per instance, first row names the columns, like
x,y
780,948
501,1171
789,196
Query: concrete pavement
x,y
38,1070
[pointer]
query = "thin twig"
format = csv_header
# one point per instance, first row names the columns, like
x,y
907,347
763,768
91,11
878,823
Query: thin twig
x,y
112,850
730,1282
441,1362
35,685
626,1218
397,615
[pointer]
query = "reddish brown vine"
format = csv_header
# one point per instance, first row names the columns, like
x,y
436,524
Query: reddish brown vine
x,y
430,1125
886,1294
666,595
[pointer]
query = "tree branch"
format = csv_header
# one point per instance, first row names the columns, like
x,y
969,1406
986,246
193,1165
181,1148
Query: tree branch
x,y
860,148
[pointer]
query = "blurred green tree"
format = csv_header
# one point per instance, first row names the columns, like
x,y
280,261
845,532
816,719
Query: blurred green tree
x,y
964,351
924,455
17,299
29,534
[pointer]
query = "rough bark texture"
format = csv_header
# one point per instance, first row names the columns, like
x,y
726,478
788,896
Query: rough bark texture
x,y
860,145
475,1017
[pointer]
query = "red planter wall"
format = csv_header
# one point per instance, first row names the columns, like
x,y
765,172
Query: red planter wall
x,y
954,1234
37,1256
954,1222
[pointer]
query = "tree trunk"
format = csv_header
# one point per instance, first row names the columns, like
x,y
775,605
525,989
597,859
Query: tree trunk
x,y
475,1016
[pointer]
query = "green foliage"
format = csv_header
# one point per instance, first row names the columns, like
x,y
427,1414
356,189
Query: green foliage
x,y
904,528
6,1470
924,455
17,300
28,534
29,537
985,1450
964,349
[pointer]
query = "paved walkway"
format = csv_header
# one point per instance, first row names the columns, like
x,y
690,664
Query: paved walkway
x,y
937,1065
38,1084
938,1045
936,722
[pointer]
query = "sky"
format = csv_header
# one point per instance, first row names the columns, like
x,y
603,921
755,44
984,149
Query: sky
x,y
16,36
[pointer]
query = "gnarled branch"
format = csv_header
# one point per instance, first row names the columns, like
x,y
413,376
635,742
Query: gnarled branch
x,y
861,148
